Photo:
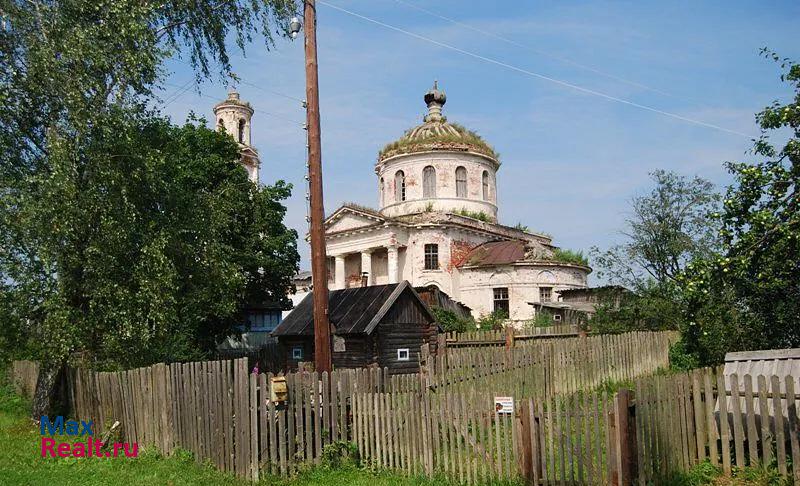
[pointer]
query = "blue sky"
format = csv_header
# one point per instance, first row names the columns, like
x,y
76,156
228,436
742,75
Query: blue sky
x,y
571,161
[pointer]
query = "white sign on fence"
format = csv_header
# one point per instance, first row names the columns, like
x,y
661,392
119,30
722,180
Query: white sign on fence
x,y
504,405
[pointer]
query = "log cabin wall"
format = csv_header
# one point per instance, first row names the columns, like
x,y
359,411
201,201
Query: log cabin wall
x,y
405,326
358,352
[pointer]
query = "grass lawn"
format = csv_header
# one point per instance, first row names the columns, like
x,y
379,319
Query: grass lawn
x,y
21,463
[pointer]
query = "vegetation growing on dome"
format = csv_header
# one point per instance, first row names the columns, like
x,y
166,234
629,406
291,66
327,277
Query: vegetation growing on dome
x,y
479,215
522,227
569,256
439,141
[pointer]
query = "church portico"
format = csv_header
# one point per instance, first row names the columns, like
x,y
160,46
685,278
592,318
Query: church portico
x,y
375,265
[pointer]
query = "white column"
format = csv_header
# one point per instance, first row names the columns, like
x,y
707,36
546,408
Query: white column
x,y
366,265
393,265
338,272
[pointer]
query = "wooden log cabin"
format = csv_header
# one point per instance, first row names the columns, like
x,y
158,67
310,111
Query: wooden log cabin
x,y
383,325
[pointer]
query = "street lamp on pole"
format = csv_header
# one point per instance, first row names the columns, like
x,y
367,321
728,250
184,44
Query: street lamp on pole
x,y
319,267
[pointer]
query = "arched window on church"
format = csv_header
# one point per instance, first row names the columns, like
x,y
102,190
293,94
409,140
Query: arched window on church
x,y
220,125
461,182
428,182
399,186
241,130
485,181
380,192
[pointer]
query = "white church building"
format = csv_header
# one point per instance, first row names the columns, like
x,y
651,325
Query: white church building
x,y
437,224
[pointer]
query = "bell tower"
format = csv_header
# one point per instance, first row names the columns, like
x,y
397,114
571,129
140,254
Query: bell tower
x,y
233,116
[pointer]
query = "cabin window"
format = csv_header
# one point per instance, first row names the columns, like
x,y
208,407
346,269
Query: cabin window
x,y
432,257
501,300
428,182
545,294
461,182
399,186
297,353
557,317
485,182
403,354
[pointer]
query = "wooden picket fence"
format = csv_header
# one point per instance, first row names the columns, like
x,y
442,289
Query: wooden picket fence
x,y
221,412
731,421
498,337
548,368
460,435
443,421
24,375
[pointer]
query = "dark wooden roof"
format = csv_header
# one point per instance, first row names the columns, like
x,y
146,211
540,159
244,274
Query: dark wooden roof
x,y
351,311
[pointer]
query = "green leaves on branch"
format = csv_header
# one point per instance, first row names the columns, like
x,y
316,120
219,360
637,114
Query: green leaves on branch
x,y
753,285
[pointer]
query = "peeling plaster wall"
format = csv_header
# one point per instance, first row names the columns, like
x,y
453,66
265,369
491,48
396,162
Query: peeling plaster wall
x,y
522,281
447,239
352,270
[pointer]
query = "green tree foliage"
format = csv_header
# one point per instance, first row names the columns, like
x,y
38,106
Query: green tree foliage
x,y
668,228
748,297
92,182
149,253
654,307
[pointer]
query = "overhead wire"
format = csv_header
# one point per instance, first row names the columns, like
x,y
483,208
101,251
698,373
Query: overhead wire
x,y
257,109
535,74
537,51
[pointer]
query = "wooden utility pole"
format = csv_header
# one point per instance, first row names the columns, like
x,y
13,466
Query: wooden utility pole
x,y
319,266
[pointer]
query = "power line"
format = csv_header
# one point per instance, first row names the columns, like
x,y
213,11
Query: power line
x,y
535,74
537,51
241,81
177,94
258,110
253,85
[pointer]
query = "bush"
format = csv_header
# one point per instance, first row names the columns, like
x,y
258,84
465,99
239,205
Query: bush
x,y
451,322
680,359
492,322
655,307
542,319
339,454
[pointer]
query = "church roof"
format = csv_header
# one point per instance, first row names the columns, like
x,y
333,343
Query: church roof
x,y
436,133
511,251
496,253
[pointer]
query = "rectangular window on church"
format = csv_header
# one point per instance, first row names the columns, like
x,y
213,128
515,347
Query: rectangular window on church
x,y
432,257
545,294
501,301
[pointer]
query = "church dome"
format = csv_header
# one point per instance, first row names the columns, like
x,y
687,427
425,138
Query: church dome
x,y
436,133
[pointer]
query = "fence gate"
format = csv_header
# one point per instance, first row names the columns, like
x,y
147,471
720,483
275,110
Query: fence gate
x,y
580,439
